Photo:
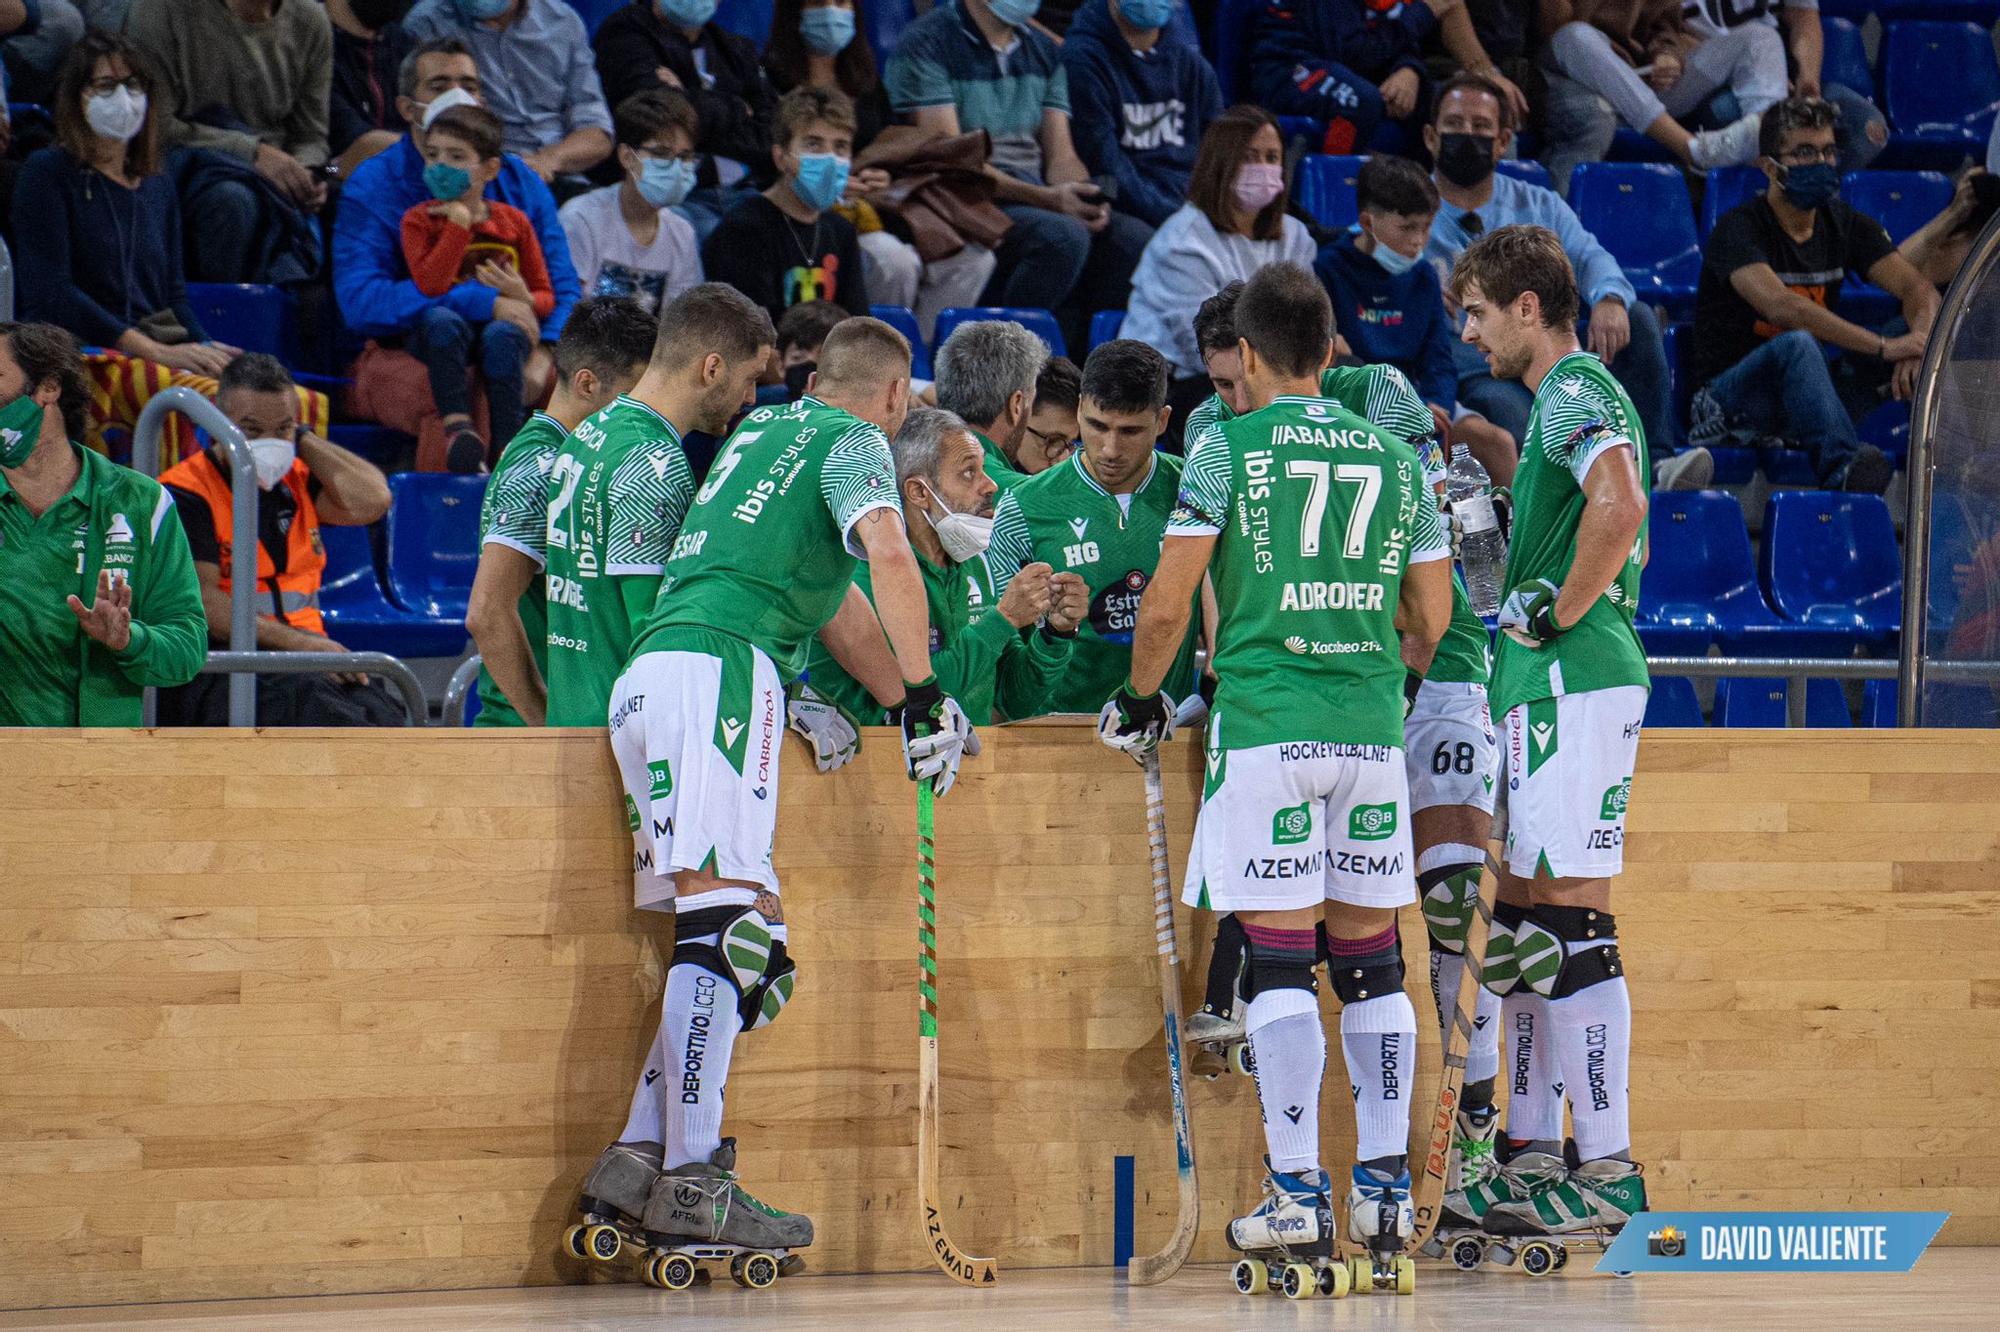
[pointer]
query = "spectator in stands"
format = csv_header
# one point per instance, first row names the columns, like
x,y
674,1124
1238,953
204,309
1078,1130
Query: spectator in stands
x,y
986,375
1770,280
537,76
32,51
369,43
1472,131
372,283
462,237
1233,224
969,66
786,245
1641,61
247,81
1140,103
674,43
98,597
98,242
302,481
1052,427
1356,63
824,46
1862,131
801,333
1938,248
626,239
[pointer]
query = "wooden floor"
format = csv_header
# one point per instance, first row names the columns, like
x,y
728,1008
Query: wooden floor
x,y
1951,1288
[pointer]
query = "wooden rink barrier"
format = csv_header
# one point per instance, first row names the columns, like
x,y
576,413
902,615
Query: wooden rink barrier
x,y
320,1011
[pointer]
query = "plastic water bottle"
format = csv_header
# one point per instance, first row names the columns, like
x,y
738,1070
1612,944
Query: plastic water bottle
x,y
1482,552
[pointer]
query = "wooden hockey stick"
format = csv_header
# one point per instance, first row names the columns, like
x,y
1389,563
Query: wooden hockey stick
x,y
1152,1269
956,1264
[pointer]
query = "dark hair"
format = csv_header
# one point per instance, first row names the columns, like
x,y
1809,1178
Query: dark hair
x,y
606,335
73,131
1212,187
406,73
1394,185
255,372
644,114
1059,385
800,107
807,324
785,57
711,317
1466,81
1510,260
1285,316
1790,116
1126,376
474,126
45,352
1215,321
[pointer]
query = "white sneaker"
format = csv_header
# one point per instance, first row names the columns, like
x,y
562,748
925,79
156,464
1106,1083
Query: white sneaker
x,y
1690,469
1732,145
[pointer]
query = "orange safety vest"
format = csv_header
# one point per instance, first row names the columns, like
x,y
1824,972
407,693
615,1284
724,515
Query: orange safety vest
x,y
294,594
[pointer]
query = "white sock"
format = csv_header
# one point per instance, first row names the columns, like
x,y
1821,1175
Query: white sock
x,y
1289,1047
1482,1059
1379,1038
699,1026
1593,1049
1534,1097
649,1098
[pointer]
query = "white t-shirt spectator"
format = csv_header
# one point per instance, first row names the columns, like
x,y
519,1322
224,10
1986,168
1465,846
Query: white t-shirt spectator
x,y
611,262
1188,261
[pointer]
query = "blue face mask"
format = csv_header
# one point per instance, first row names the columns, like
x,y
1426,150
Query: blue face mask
x,y
1014,13
685,13
827,30
820,180
446,181
1810,187
1146,14
664,182
477,10
1394,262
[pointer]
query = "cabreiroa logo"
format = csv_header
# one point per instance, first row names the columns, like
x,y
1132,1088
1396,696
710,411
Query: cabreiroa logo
x,y
1614,801
1291,826
1372,823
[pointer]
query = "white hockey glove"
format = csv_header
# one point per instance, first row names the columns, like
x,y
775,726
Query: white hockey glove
x,y
1136,725
936,735
829,730
1528,615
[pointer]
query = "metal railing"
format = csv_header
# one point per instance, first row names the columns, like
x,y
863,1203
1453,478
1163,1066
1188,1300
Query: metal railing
x,y
242,666
462,681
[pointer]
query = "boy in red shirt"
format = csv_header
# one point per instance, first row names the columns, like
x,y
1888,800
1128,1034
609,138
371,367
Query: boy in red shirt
x,y
462,238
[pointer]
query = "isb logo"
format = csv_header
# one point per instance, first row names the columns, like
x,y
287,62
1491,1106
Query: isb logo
x,y
1372,823
1615,800
1291,826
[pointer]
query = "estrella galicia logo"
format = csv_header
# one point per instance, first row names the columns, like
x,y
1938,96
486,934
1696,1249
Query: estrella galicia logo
x,y
1291,826
1615,800
1372,823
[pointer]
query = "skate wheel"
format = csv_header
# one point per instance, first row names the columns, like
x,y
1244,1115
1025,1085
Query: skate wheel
x,y
1298,1282
1242,1061
1467,1254
1333,1281
1360,1274
1503,1254
754,1271
1562,1258
1538,1258
1406,1276
572,1242
602,1242
1251,1276
674,1271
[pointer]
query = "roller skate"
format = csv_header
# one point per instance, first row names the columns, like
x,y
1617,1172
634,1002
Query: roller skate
x,y
699,1213
1474,1180
1288,1241
1379,1222
1216,1030
612,1202
1565,1210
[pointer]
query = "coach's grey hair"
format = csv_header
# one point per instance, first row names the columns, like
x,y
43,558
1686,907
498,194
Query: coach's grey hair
x,y
920,442
983,364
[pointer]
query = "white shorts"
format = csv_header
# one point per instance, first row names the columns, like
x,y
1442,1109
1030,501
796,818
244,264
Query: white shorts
x,y
1569,774
1297,824
1452,756
697,737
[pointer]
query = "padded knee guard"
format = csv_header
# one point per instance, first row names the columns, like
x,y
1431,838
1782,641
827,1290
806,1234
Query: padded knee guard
x,y
1448,893
1228,967
1370,977
736,944
1274,968
1501,973
1561,950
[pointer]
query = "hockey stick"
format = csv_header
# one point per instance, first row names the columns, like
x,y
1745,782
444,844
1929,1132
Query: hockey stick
x,y
959,1267
1152,1269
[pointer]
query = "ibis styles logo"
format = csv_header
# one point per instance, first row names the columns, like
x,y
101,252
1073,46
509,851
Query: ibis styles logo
x,y
1372,823
1291,826
1614,801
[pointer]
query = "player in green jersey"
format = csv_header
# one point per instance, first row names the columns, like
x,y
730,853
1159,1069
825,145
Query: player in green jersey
x,y
1569,685
605,345
765,558
620,485
1321,539
1101,514
983,660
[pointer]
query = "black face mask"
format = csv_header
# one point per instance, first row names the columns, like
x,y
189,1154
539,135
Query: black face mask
x,y
1465,160
796,377
376,15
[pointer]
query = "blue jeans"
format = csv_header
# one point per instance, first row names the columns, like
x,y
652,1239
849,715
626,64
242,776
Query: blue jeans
x,y
1641,368
1350,103
1051,261
1859,129
447,344
1784,388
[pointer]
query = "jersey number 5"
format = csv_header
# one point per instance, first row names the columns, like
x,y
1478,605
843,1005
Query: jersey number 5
x,y
732,454
1369,479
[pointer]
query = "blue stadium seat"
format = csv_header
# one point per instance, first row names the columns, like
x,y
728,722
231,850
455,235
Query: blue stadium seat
x,y
1852,10
1831,559
1979,11
594,12
377,443
1629,145
1788,467
1672,703
1526,168
1324,187
904,321
1105,326
254,317
433,542
1846,56
884,23
1039,322
1826,705
1726,188
1941,86
1888,429
359,617
1878,703
1234,20
1750,702
1901,201
1733,466
1702,575
746,18
1642,214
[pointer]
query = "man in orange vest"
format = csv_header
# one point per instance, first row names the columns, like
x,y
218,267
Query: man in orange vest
x,y
302,481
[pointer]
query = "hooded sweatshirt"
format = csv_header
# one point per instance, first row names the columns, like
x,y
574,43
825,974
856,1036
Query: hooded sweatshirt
x,y
1137,118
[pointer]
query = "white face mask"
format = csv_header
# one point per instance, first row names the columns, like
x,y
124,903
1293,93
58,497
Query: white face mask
x,y
118,114
273,458
964,536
